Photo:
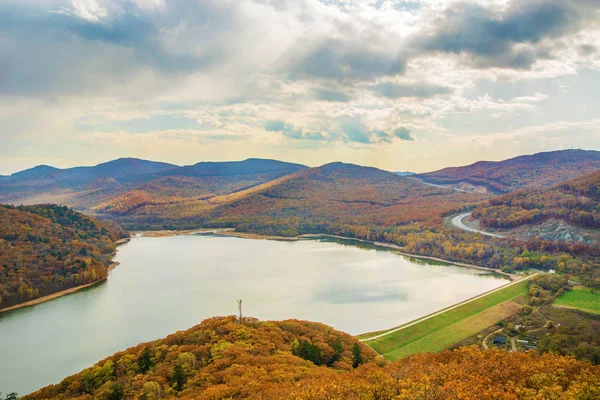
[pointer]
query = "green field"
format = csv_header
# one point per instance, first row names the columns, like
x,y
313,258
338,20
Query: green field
x,y
444,330
582,298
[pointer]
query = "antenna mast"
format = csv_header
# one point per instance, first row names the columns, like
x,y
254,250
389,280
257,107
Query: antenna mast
x,y
240,309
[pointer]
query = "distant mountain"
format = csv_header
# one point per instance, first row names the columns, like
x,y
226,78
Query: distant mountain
x,y
537,170
406,173
251,166
78,187
195,185
326,198
122,169
35,172
124,185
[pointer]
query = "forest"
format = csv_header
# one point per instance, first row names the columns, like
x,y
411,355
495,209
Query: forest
x,y
48,248
577,202
340,194
125,185
224,359
351,201
338,200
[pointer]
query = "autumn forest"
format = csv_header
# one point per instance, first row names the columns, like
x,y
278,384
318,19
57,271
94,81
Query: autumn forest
x,y
537,214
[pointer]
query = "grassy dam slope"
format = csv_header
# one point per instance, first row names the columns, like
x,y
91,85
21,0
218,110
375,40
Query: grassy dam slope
x,y
441,330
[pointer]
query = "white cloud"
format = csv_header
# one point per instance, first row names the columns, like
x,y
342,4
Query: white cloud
x,y
535,98
232,65
89,10
569,128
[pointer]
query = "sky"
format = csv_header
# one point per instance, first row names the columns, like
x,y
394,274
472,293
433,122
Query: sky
x,y
403,85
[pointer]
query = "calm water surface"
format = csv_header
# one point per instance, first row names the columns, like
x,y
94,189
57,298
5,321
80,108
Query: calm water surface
x,y
172,283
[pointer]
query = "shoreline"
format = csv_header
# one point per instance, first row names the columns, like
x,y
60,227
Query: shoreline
x,y
245,235
65,292
398,250
169,233
52,296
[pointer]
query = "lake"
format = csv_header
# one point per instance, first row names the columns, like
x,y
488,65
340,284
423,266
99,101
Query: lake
x,y
172,283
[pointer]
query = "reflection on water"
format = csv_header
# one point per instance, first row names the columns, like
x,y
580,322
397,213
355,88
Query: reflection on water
x,y
171,283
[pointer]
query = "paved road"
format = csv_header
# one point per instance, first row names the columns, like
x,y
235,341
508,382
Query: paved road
x,y
458,222
444,310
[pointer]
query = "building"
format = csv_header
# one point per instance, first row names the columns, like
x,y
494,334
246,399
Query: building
x,y
499,340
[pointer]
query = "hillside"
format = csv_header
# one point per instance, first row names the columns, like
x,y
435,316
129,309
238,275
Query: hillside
x,y
121,186
292,359
337,196
530,171
576,202
121,170
45,249
371,204
195,184
77,187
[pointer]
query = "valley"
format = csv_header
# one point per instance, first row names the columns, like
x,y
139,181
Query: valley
x,y
299,200
431,258
166,284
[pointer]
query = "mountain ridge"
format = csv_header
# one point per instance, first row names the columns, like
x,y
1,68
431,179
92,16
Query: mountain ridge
x,y
199,193
533,170
85,188
98,170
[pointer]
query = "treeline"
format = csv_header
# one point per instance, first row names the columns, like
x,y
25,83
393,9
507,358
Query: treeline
x,y
370,204
48,248
397,211
223,359
576,202
510,255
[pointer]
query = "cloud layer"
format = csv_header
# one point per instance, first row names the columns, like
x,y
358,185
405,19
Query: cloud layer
x,y
348,78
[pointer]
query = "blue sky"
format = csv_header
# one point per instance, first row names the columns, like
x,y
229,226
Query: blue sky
x,y
401,85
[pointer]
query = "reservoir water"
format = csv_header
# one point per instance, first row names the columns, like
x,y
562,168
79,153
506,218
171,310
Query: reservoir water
x,y
172,283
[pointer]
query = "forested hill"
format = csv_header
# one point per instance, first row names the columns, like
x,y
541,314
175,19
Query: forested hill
x,y
576,202
531,171
223,359
129,185
48,248
339,196
189,188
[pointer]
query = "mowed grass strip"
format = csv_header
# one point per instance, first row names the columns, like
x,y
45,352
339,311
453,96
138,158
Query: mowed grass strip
x,y
447,337
582,298
396,340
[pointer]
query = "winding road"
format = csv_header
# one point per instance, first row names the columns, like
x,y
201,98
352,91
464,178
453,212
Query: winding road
x,y
458,222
